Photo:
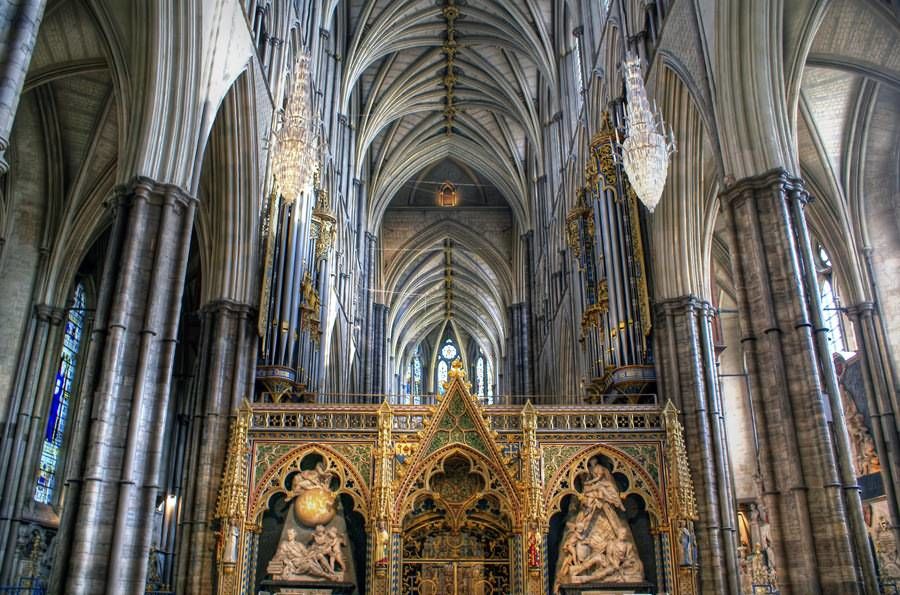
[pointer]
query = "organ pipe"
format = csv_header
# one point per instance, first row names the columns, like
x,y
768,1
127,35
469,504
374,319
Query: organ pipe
x,y
604,234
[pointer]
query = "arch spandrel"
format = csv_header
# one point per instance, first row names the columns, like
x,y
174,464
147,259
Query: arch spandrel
x,y
274,479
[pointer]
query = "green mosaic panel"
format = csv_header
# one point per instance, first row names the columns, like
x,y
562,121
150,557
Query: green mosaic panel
x,y
648,457
457,427
359,455
556,456
267,454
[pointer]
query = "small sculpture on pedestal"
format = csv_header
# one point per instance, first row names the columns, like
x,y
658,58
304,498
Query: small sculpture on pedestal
x,y
688,547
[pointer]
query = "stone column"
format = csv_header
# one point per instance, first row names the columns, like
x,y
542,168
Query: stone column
x,y
120,483
812,508
378,361
19,24
686,370
521,374
368,368
22,440
222,382
881,399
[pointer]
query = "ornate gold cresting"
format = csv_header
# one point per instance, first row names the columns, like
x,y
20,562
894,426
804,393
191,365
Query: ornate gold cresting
x,y
681,487
580,226
380,514
534,504
603,158
324,222
310,307
682,502
593,313
450,49
231,503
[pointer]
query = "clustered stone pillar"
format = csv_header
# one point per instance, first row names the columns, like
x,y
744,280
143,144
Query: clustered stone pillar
x,y
224,379
21,447
378,349
146,262
19,23
369,371
520,372
813,502
687,374
881,399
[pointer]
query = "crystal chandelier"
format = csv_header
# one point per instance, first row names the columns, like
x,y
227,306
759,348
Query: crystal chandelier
x,y
646,149
295,141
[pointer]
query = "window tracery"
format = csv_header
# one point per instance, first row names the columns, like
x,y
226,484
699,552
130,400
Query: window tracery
x,y
63,389
448,353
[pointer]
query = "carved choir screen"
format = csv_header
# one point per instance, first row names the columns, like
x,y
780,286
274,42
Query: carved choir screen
x,y
455,498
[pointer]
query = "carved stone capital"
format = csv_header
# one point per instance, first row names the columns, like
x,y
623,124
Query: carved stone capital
x,y
152,192
47,313
775,181
686,304
226,307
862,309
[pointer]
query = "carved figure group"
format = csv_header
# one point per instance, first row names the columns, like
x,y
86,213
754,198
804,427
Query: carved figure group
x,y
322,558
886,551
861,443
310,479
597,544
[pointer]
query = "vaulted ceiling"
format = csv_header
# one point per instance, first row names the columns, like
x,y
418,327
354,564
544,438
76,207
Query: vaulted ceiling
x,y
449,89
441,79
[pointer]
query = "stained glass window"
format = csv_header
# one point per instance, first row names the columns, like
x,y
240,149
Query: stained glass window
x,y
58,412
448,353
415,383
479,376
441,375
484,379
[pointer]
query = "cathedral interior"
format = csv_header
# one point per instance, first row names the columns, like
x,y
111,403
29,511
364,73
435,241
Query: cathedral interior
x,y
458,297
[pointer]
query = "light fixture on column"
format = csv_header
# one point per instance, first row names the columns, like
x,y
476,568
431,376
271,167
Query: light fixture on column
x,y
295,141
646,148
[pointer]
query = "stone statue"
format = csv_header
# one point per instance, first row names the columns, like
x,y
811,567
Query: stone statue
x,y
886,550
318,560
861,443
312,479
688,547
598,545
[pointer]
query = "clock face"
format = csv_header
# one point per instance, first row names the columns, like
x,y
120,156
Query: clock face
x,y
448,351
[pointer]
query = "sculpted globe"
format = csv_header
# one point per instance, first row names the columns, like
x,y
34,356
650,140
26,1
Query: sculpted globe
x,y
315,506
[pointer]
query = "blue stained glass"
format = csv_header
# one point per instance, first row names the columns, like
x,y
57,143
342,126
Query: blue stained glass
x,y
59,402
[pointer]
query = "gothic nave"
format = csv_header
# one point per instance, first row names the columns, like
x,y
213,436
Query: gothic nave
x,y
457,297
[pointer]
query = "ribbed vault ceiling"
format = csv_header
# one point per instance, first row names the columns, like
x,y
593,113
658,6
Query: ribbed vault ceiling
x,y
417,111
397,64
